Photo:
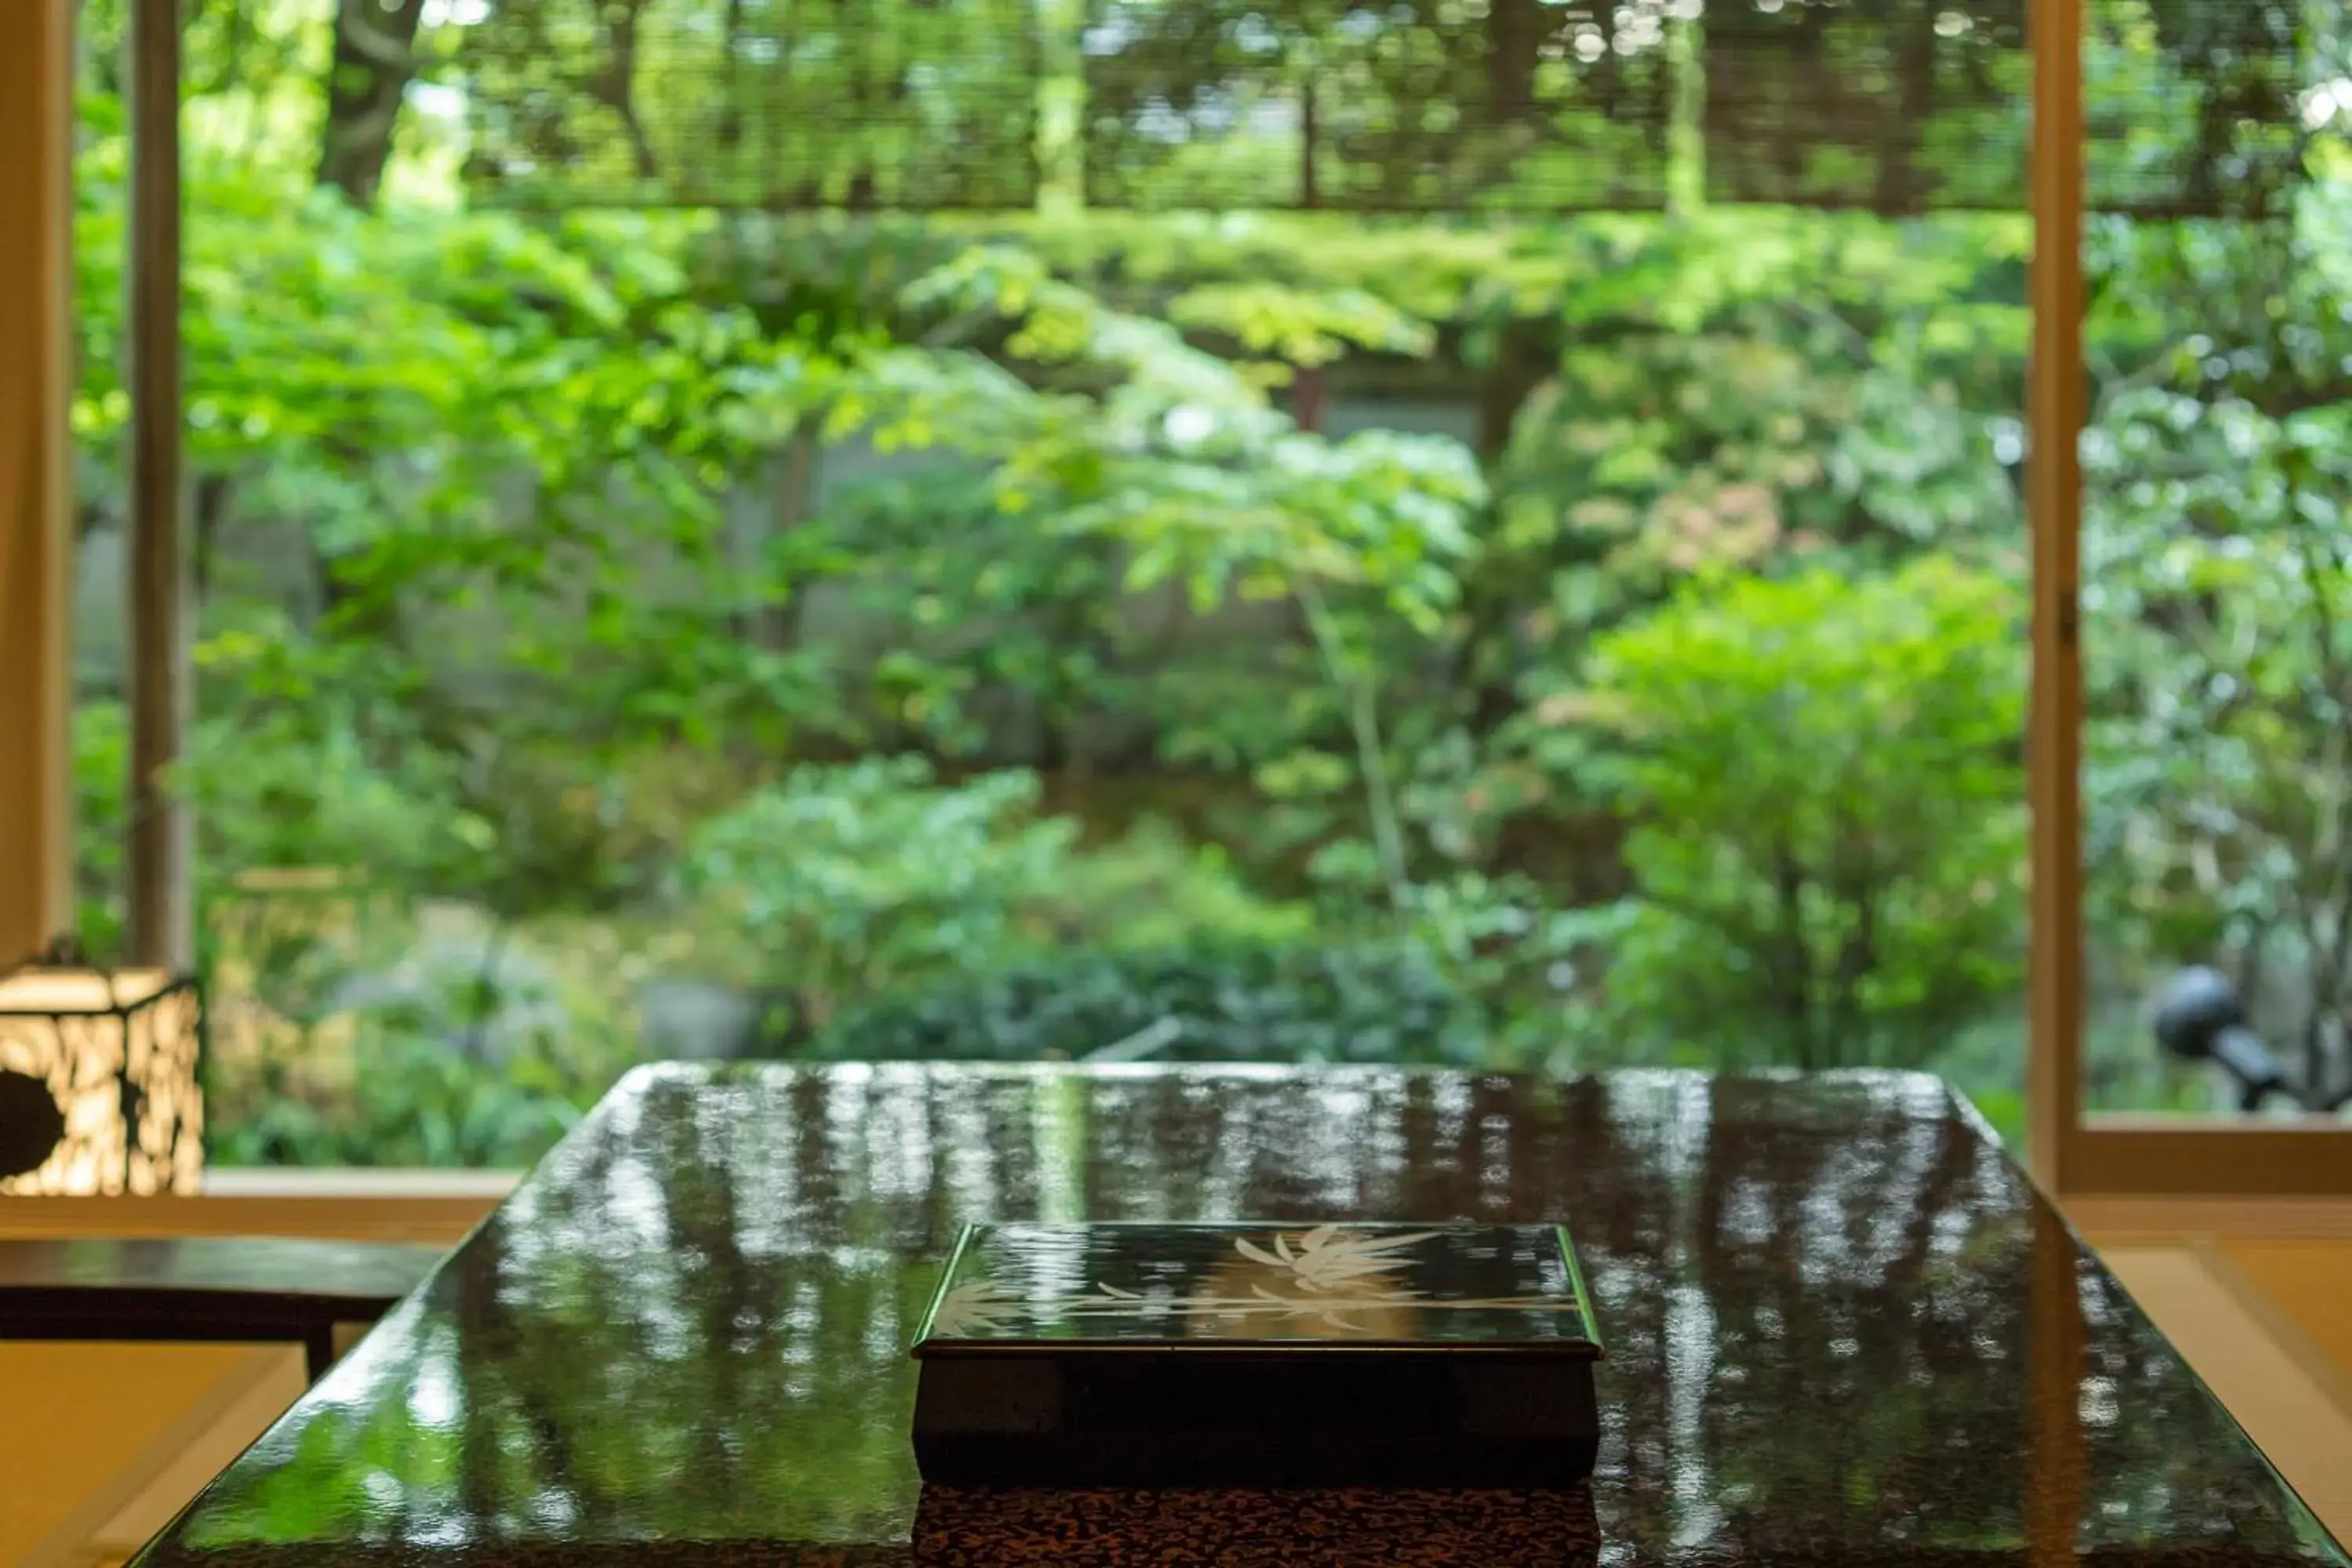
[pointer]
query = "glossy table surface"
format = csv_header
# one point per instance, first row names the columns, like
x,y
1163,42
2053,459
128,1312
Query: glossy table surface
x,y
1841,1329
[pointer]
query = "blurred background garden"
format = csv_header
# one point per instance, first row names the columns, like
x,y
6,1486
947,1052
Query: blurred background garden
x,y
631,629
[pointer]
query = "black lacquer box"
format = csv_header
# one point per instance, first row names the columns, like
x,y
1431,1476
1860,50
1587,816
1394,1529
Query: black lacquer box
x,y
1258,1355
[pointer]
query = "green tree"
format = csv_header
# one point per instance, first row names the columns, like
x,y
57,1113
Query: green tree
x,y
1823,780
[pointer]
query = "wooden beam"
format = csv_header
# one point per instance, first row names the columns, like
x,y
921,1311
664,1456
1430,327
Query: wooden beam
x,y
2053,509
2055,1459
159,885
2141,1220
35,474
430,1206
2183,1157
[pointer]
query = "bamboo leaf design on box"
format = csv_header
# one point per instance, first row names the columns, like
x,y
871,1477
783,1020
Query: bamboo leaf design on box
x,y
1329,1259
1336,1279
973,1309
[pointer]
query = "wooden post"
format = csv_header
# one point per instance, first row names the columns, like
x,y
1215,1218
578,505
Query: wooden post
x,y
158,892
35,475
2054,1459
2054,509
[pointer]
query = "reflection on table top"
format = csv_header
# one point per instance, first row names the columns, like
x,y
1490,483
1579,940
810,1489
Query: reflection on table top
x,y
1842,1329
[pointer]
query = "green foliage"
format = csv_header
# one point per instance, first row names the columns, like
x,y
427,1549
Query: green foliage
x,y
1180,461
484,459
1151,888
1823,779
1216,1000
2217,559
416,1102
312,768
1670,713
845,883
1750,387
101,772
1301,328
852,880
918,108
2223,727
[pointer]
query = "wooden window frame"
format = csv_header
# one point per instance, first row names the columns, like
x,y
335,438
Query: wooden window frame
x,y
36,472
2073,1154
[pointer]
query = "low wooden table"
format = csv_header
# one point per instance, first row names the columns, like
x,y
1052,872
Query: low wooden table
x,y
1842,1329
215,1288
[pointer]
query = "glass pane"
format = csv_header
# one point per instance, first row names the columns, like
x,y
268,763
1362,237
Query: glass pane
x,y
774,104
2217,559
1548,643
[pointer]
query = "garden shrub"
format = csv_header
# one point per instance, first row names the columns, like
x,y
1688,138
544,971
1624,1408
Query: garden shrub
x,y
1825,780
1376,1002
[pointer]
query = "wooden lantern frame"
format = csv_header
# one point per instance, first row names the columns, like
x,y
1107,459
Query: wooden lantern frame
x,y
117,1050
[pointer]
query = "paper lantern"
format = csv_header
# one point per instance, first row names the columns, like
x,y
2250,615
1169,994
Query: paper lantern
x,y
97,1081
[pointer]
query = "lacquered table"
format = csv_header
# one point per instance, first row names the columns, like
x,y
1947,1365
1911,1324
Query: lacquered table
x,y
1842,1329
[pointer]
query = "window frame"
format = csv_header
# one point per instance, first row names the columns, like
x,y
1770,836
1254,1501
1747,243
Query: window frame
x,y
35,474
2071,1153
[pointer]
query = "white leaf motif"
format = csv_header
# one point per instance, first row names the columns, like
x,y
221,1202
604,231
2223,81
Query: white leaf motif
x,y
973,1310
1330,1257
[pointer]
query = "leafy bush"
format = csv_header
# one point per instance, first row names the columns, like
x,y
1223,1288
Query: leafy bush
x,y
416,1103
846,881
1825,782
843,883
273,784
1210,1002
352,1028
1151,888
